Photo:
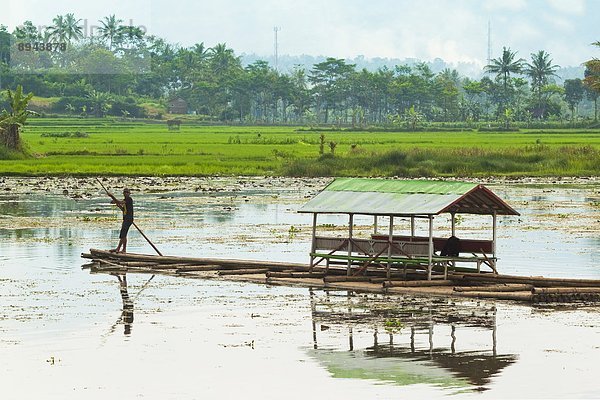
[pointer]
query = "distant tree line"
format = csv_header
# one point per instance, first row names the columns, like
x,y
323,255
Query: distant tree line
x,y
120,68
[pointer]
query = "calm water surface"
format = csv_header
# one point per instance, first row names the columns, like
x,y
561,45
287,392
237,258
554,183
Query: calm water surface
x,y
68,334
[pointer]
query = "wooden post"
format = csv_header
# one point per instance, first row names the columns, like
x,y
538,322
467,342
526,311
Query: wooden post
x,y
350,226
453,222
375,224
314,241
412,226
430,266
494,239
390,240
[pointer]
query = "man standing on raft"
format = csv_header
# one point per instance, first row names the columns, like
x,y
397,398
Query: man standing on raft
x,y
126,205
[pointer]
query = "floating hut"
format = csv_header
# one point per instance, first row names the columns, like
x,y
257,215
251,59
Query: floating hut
x,y
408,199
394,262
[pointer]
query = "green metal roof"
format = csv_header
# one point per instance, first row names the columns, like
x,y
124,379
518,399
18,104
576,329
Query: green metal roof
x,y
398,186
405,197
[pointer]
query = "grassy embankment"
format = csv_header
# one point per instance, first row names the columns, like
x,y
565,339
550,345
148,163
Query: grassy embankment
x,y
105,146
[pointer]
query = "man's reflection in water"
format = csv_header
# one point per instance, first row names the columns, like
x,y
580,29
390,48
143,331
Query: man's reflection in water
x,y
127,315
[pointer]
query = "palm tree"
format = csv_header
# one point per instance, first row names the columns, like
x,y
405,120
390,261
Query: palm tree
x,y
110,29
72,27
57,30
131,35
65,28
223,58
540,70
12,121
503,67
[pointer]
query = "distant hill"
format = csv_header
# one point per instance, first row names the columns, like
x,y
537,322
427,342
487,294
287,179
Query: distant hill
x,y
287,63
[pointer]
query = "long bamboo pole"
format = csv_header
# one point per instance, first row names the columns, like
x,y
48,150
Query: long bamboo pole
x,y
134,224
532,280
508,287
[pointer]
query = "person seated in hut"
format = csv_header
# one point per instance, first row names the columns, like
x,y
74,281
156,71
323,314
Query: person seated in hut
x,y
126,205
451,247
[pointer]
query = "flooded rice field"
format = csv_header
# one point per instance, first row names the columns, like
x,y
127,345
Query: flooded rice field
x,y
69,334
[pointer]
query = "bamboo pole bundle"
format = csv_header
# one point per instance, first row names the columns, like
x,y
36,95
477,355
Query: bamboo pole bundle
x,y
422,283
333,279
506,287
518,296
244,271
197,261
138,263
292,274
163,266
532,280
567,290
399,277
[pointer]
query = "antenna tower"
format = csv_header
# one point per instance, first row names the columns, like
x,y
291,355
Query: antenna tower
x,y
276,45
489,44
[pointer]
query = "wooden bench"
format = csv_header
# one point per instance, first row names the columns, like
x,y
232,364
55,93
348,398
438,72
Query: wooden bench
x,y
466,245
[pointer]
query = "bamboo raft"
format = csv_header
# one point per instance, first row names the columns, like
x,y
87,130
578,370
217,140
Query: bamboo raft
x,y
533,289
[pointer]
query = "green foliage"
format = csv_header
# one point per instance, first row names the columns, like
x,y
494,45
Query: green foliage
x,y
149,149
13,119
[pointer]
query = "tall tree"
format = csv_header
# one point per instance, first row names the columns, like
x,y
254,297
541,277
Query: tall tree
x,y
327,78
446,86
592,80
574,93
503,67
540,70
65,28
111,30
73,30
131,37
592,95
27,32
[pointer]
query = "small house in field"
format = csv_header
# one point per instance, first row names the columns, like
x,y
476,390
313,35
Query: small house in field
x,y
398,247
177,106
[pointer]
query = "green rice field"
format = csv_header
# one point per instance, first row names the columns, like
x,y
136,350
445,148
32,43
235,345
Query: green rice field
x,y
87,146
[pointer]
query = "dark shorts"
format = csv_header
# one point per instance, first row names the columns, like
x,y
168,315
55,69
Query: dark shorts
x,y
125,229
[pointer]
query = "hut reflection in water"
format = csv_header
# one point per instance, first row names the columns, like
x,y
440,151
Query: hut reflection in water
x,y
403,350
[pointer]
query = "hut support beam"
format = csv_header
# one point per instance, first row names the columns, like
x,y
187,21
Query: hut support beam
x,y
494,223
390,240
314,241
453,222
430,266
350,226
412,226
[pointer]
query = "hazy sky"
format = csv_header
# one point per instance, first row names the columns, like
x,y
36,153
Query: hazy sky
x,y
454,30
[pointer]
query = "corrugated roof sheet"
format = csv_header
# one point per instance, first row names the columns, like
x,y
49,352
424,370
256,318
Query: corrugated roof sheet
x,y
405,197
398,186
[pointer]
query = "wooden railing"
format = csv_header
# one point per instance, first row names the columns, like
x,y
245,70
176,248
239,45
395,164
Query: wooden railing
x,y
377,250
372,247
